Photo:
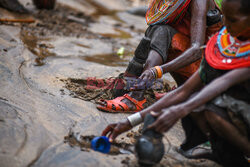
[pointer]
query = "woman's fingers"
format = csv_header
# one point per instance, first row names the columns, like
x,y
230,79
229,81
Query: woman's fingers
x,y
114,134
159,121
142,81
109,135
161,129
160,126
154,125
108,129
163,122
155,114
139,86
115,129
142,76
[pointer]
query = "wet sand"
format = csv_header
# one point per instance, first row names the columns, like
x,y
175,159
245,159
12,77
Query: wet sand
x,y
79,39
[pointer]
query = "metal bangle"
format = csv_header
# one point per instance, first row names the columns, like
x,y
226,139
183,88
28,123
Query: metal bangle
x,y
135,119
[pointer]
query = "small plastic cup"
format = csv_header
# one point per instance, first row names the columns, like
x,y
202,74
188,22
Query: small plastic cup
x,y
101,144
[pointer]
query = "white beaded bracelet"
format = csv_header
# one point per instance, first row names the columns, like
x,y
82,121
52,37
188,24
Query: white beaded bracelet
x,y
135,119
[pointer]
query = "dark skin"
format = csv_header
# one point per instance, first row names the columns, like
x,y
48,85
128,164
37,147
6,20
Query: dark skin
x,y
237,23
179,103
199,10
177,108
198,28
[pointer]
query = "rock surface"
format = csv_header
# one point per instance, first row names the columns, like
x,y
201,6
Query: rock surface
x,y
36,111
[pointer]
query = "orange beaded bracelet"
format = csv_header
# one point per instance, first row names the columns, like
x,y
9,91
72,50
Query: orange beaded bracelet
x,y
159,71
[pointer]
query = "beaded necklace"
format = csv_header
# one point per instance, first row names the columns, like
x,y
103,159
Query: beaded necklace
x,y
225,52
231,47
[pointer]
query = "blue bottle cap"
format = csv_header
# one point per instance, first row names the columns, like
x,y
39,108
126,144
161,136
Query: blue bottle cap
x,y
101,144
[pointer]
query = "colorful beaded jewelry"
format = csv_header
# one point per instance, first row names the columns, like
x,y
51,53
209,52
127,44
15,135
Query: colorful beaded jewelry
x,y
231,47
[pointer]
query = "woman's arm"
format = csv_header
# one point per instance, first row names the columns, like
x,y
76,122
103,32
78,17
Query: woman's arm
x,y
199,10
172,98
176,96
217,87
171,115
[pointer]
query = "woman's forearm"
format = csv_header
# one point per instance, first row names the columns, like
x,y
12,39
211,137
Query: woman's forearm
x,y
189,56
217,87
176,96
199,10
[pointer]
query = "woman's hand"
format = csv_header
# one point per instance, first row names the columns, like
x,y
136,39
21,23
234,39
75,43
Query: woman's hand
x,y
167,118
144,80
113,130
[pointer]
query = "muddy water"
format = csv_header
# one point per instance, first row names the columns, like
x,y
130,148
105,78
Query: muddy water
x,y
37,111
121,34
37,47
84,142
108,59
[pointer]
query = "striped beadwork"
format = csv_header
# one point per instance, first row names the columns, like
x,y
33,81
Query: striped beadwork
x,y
232,47
166,11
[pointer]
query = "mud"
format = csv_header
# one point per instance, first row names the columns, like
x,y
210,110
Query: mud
x,y
94,89
84,142
36,46
59,23
40,63
109,59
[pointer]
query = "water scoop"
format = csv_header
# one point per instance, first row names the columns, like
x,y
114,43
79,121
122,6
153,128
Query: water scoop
x,y
101,144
